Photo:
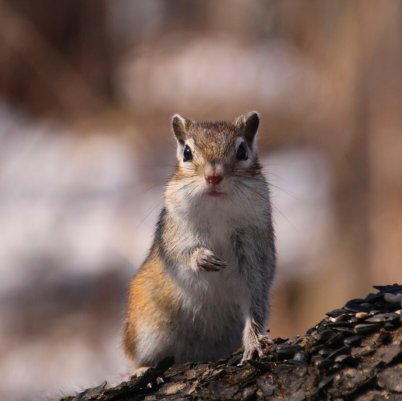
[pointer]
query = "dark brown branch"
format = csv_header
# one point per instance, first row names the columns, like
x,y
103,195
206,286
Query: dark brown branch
x,y
355,353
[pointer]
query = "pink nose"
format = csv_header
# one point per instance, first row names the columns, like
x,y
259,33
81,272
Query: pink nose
x,y
213,179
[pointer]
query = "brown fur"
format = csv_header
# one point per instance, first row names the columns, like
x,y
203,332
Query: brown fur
x,y
151,296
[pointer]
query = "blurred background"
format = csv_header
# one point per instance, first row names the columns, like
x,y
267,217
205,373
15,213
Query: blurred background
x,y
87,89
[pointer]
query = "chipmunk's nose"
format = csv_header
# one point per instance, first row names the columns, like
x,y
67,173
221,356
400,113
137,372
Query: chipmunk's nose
x,y
213,179
213,173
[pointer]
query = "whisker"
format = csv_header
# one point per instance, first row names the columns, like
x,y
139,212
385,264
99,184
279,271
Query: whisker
x,y
240,190
149,212
274,207
293,196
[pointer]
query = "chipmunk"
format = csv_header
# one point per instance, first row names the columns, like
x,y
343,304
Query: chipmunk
x,y
203,290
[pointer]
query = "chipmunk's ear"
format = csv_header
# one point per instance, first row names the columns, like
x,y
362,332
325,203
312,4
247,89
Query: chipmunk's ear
x,y
180,126
248,124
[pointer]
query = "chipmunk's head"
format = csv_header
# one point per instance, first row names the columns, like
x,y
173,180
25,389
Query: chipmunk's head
x,y
215,156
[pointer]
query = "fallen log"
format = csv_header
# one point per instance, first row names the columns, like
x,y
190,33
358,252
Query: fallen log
x,y
354,353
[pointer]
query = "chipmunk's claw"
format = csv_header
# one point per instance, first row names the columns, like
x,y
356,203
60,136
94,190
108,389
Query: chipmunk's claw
x,y
251,353
207,261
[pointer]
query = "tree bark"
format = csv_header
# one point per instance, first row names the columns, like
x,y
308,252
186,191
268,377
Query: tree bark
x,y
354,353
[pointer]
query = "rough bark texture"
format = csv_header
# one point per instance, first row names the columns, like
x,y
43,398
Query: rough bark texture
x,y
355,353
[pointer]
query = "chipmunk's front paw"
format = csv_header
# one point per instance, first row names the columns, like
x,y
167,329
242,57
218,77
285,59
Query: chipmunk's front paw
x,y
207,261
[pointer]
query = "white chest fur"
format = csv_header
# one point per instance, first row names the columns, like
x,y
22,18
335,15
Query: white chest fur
x,y
213,304
211,318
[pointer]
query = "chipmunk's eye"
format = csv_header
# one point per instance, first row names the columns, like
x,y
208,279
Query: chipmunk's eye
x,y
242,152
187,154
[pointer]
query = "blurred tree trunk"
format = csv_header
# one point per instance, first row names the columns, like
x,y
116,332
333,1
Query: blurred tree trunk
x,y
55,55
